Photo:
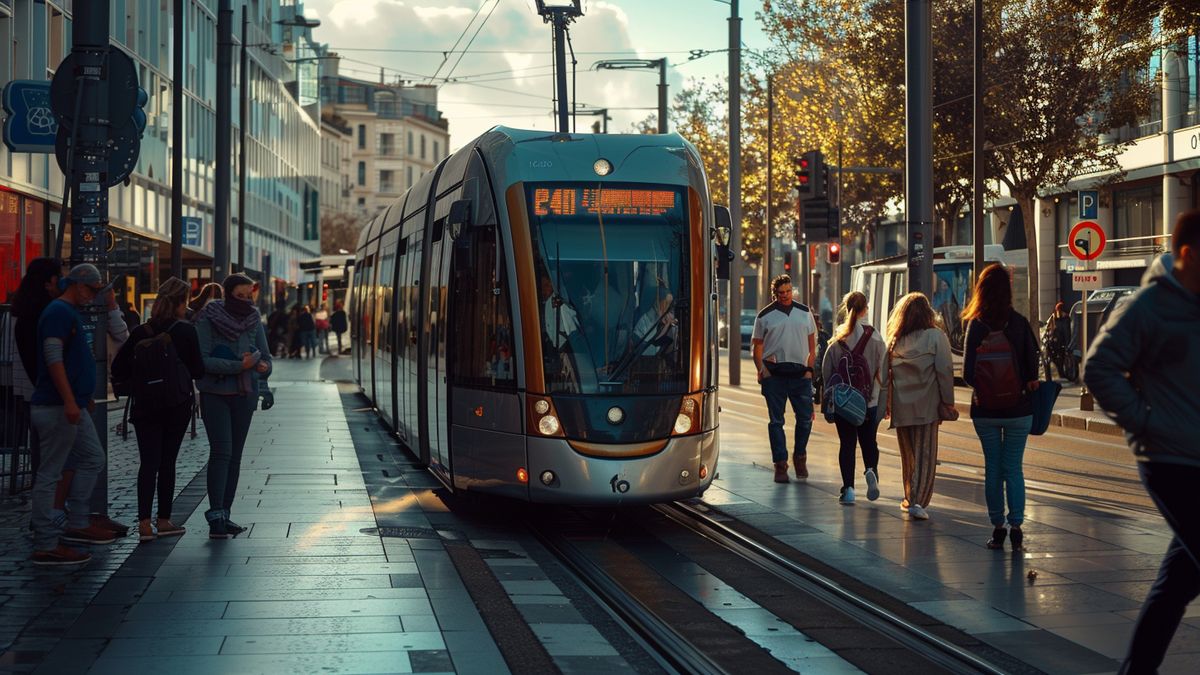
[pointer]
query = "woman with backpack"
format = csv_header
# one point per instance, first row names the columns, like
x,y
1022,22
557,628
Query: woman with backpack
x,y
1000,362
856,371
921,395
236,356
156,365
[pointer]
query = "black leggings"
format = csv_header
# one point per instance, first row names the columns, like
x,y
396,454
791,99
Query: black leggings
x,y
864,434
159,436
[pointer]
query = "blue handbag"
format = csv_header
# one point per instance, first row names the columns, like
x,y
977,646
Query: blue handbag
x,y
848,404
1044,398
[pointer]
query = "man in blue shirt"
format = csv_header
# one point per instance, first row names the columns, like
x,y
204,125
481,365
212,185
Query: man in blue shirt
x,y
66,379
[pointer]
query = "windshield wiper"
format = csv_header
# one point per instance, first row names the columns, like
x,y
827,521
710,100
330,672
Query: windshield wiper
x,y
639,349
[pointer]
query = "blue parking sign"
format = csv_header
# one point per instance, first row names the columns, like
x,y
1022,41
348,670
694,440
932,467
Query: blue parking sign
x,y
192,234
1089,204
29,124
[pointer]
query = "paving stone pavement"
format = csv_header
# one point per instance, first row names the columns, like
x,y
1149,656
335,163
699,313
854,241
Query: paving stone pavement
x,y
38,605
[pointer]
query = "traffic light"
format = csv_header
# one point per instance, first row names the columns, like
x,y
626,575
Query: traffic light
x,y
835,253
812,176
803,184
787,262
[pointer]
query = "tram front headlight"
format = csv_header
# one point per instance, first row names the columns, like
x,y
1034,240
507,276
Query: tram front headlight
x,y
548,425
602,167
688,419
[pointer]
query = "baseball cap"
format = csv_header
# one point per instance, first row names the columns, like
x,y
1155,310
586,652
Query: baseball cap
x,y
87,274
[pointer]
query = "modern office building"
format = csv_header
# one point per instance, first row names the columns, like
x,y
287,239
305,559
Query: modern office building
x,y
283,149
397,134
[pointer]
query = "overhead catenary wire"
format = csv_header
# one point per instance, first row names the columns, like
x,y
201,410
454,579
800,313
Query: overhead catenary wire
x,y
446,54
472,40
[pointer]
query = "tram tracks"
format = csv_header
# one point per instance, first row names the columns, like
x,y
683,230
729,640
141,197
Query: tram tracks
x,y
677,536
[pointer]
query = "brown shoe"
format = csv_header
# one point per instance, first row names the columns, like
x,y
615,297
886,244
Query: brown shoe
x,y
168,529
89,535
801,464
781,472
146,531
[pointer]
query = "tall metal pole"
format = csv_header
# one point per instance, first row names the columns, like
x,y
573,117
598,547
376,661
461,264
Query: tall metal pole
x,y
662,95
177,141
224,152
768,253
837,268
560,69
243,102
918,197
977,143
735,194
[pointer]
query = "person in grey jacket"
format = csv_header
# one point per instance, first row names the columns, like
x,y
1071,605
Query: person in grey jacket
x,y
1142,370
234,346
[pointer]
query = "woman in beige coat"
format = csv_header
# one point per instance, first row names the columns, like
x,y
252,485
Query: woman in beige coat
x,y
921,395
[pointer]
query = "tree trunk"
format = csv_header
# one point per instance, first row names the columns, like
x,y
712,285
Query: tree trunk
x,y
1031,246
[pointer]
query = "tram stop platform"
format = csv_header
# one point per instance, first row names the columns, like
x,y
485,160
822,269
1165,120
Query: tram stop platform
x,y
354,562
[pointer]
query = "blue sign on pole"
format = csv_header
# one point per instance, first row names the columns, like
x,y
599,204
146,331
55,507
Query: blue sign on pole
x,y
29,125
1089,204
192,235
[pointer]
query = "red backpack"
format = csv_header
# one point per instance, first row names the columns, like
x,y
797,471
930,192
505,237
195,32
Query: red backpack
x,y
997,382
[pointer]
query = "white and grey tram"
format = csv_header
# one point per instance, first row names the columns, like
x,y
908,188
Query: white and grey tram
x,y
536,318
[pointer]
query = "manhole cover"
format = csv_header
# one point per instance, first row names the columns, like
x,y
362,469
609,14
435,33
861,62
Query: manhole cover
x,y
401,532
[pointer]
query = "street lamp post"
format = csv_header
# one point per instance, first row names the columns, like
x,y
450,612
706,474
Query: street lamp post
x,y
559,13
735,193
652,64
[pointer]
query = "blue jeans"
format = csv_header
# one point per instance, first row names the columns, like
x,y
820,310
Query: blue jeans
x,y
60,441
1003,451
778,391
1173,489
227,421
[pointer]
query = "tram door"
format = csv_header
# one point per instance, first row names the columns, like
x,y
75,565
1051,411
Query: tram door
x,y
440,249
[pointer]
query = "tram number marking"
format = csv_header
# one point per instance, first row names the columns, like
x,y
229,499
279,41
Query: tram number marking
x,y
541,164
618,485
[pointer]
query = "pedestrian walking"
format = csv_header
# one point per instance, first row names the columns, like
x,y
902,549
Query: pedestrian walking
x,y
234,347
1000,363
277,332
921,395
66,380
37,288
856,358
1142,370
339,323
785,347
321,321
156,367
293,332
306,328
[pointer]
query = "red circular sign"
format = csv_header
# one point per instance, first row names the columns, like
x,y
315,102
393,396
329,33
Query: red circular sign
x,y
1086,240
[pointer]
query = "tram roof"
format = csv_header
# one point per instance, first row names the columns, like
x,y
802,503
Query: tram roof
x,y
540,156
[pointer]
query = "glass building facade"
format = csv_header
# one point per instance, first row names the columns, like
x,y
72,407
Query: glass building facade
x,y
283,149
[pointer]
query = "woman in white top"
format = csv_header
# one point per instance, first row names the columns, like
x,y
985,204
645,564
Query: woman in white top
x,y
921,395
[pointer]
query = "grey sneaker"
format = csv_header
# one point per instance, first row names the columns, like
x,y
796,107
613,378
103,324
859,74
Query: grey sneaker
x,y
847,497
872,485
917,512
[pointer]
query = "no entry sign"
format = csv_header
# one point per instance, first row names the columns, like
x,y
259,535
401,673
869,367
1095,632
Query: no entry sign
x,y
1087,240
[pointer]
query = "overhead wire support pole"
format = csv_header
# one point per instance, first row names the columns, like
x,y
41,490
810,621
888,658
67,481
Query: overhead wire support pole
x,y
735,194
768,255
177,141
918,94
662,95
243,117
224,141
977,161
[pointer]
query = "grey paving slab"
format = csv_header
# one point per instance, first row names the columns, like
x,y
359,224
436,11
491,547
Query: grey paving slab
x,y
473,652
323,608
351,643
150,647
572,639
286,626
1029,600
298,594
241,584
366,662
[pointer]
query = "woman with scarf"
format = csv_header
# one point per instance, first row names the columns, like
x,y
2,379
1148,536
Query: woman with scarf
x,y
236,355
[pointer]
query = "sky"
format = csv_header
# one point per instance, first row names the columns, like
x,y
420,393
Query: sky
x,y
500,72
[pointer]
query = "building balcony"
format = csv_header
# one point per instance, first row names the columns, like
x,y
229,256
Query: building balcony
x,y
389,151
389,188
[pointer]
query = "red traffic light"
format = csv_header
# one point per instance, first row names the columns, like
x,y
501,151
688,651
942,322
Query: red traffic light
x,y
835,253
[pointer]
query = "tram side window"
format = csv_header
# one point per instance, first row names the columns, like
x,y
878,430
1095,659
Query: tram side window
x,y
484,354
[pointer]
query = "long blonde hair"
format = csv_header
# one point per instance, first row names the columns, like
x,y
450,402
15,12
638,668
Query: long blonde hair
x,y
171,294
912,313
853,304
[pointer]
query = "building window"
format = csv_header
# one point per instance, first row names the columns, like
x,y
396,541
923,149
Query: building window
x,y
422,146
436,150
362,173
409,175
362,137
386,185
1137,213
410,144
387,144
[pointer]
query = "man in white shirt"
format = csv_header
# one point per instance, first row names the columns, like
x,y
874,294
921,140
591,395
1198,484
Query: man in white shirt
x,y
785,347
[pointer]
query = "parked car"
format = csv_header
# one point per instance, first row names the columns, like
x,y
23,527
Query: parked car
x,y
1100,305
747,329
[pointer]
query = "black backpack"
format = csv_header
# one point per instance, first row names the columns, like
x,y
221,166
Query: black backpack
x,y
160,380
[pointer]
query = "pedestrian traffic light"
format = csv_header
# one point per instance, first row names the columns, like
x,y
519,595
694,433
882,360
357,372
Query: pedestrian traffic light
x,y
835,253
787,262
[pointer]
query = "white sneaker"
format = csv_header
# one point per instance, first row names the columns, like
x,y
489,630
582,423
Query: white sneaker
x,y
917,512
847,497
872,485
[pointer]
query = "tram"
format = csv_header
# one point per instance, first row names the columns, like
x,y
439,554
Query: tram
x,y
536,318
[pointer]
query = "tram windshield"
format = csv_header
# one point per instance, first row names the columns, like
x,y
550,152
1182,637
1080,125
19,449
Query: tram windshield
x,y
610,261
952,288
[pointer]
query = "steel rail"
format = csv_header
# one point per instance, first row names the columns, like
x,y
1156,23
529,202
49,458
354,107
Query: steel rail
x,y
938,650
671,648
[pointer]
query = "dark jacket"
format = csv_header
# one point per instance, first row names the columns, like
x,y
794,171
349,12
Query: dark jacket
x,y
1025,353
1143,366
305,322
187,346
338,322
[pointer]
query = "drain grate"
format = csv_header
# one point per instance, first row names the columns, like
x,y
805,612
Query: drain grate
x,y
401,532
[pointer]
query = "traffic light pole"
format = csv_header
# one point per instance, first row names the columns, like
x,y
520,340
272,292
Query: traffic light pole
x,y
768,254
177,141
243,118
224,150
918,197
